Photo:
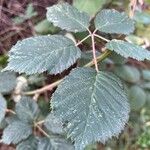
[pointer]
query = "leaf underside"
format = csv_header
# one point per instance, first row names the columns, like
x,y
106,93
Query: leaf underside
x,y
43,53
112,21
68,17
95,106
127,50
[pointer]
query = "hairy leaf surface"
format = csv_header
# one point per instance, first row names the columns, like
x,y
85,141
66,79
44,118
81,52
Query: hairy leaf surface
x,y
37,54
68,17
7,82
127,50
16,132
27,109
112,21
94,104
3,107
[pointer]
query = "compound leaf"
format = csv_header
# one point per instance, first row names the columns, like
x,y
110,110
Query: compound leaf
x,y
94,105
112,21
7,82
37,54
16,132
54,143
68,17
127,50
3,107
27,110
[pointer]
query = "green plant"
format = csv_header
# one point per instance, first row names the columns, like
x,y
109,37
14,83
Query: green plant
x,y
91,104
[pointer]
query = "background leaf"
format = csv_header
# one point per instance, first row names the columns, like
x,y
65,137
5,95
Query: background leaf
x,y
54,144
27,110
137,97
29,144
53,53
7,82
3,106
53,124
112,21
16,132
86,100
88,6
127,50
68,17
127,73
146,74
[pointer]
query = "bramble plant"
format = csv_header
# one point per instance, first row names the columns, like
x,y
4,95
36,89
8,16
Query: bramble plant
x,y
90,104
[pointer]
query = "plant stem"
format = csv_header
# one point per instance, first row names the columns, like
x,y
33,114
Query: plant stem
x,y
99,58
94,52
41,130
83,40
43,89
51,86
102,38
10,111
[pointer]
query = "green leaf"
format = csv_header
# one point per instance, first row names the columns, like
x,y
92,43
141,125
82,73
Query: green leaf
x,y
117,59
137,97
88,6
37,54
134,39
54,144
86,57
7,82
127,50
29,144
68,17
112,21
127,73
3,106
146,74
53,124
148,99
27,110
30,11
146,85
45,27
16,132
142,17
94,105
